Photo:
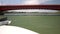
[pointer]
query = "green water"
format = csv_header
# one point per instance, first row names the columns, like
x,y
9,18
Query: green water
x,y
40,24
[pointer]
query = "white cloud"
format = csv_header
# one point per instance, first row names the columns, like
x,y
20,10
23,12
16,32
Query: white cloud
x,y
34,2
24,2
31,2
42,1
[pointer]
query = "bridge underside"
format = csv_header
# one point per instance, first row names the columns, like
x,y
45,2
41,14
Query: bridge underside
x,y
15,7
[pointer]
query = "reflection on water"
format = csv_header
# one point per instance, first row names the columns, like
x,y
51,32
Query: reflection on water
x,y
33,12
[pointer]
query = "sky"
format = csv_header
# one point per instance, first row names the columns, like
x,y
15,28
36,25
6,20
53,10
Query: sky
x,y
28,2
